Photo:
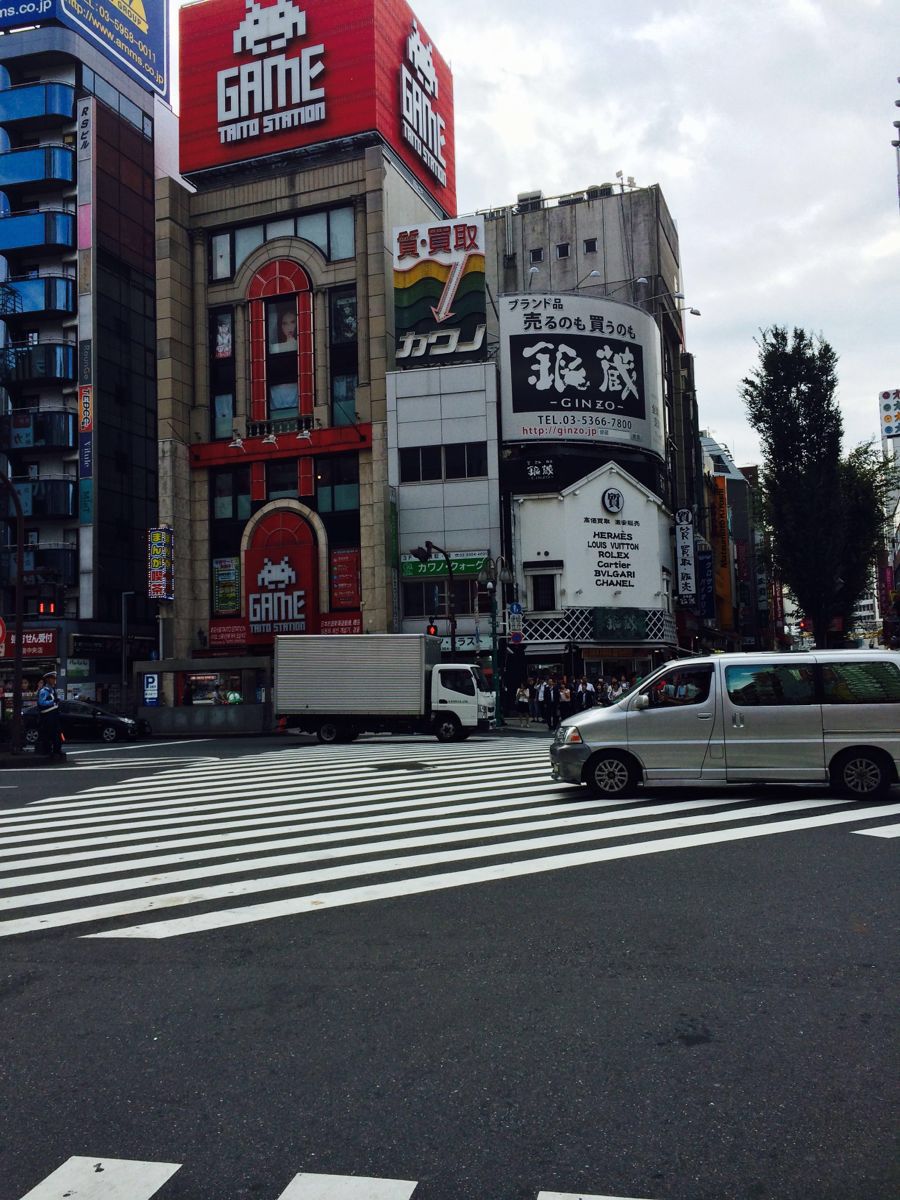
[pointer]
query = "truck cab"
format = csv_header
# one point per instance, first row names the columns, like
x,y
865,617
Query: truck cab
x,y
461,701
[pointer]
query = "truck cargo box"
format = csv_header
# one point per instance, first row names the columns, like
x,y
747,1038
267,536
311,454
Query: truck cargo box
x,y
384,674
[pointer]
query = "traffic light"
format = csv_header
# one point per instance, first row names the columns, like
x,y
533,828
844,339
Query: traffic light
x,y
805,625
47,607
431,628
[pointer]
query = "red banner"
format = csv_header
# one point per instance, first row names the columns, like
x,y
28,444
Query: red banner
x,y
340,623
36,643
345,578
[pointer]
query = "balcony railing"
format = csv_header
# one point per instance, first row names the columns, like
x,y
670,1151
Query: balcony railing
x,y
37,167
38,103
653,626
280,427
42,498
46,562
51,362
50,295
35,429
36,231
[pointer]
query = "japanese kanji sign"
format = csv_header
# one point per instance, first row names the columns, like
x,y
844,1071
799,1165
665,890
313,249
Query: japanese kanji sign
x,y
684,555
580,369
439,293
161,563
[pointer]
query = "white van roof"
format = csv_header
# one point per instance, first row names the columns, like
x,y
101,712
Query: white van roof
x,y
794,656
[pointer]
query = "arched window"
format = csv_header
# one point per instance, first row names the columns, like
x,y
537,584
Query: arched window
x,y
281,342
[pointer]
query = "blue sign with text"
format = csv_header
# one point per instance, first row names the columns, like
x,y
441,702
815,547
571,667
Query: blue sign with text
x,y
134,34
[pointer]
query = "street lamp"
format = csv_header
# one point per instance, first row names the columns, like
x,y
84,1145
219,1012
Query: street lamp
x,y
16,728
494,571
423,554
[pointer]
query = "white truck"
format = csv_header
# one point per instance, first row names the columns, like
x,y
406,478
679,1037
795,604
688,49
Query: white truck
x,y
342,685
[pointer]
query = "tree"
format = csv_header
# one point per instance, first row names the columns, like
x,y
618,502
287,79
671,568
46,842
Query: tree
x,y
823,510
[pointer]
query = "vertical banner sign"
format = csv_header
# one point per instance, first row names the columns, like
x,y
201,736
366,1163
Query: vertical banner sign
x,y
722,552
684,555
706,587
161,563
226,586
889,413
345,578
440,312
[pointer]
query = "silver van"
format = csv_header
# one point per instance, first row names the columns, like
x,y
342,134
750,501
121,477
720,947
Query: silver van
x,y
826,716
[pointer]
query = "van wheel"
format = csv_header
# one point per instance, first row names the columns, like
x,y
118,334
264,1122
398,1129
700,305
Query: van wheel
x,y
611,775
446,728
861,775
328,732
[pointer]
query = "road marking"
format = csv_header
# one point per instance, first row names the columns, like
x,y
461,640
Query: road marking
x,y
138,745
379,866
104,1179
579,1196
882,831
346,1187
403,887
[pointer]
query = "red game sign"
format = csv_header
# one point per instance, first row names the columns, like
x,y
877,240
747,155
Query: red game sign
x,y
261,78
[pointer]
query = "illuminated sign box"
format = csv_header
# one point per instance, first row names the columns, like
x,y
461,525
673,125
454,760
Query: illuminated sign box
x,y
266,78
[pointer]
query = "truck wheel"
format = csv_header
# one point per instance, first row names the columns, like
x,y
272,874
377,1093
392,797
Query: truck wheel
x,y
446,728
328,732
861,775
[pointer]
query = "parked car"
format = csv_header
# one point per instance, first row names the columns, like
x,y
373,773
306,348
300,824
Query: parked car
x,y
83,723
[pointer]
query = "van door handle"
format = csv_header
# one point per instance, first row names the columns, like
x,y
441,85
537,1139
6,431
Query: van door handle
x,y
704,716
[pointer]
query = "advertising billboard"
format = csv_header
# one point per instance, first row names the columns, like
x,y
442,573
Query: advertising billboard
x,y
134,34
889,413
579,369
440,313
263,78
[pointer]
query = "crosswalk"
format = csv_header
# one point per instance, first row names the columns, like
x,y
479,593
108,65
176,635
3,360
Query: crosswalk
x,y
125,1179
214,844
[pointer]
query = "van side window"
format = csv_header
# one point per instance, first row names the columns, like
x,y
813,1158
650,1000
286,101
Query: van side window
x,y
860,683
679,686
770,686
461,681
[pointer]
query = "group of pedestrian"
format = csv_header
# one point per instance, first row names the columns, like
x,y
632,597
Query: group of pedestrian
x,y
547,700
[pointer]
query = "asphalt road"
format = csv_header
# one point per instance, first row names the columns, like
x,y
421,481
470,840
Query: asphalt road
x,y
715,1021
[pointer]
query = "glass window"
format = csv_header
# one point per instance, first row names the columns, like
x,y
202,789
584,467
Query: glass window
x,y
106,92
770,685
131,112
536,256
543,593
282,228
246,241
222,335
223,415
283,397
342,241
590,245
337,483
314,228
343,316
679,686
281,325
343,399
230,490
220,256
281,480
861,683
420,464
562,250
464,460
87,78
458,680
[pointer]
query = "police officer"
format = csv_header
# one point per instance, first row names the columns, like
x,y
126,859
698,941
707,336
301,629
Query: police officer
x,y
49,730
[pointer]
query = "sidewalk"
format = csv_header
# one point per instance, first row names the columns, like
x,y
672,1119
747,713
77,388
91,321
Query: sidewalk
x,y
514,726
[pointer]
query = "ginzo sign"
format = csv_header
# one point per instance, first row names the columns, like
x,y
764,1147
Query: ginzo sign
x,y
580,369
261,77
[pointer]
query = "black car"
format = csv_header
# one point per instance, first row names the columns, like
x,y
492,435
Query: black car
x,y
83,722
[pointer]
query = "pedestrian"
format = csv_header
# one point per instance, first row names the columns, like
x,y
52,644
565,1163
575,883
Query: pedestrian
x,y
187,696
218,696
551,703
565,699
522,699
534,704
49,728
588,693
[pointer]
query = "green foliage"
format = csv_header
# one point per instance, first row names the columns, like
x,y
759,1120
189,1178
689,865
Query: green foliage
x,y
824,511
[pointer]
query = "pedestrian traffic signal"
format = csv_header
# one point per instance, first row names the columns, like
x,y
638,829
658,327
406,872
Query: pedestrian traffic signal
x,y
431,628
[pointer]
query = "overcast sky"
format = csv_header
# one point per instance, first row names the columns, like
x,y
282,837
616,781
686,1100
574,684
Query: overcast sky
x,y
768,126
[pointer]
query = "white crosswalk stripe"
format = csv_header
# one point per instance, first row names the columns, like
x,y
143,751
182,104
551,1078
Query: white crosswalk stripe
x,y
296,831
104,1179
127,1179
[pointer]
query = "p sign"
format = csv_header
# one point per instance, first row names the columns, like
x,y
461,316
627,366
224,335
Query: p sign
x,y
151,690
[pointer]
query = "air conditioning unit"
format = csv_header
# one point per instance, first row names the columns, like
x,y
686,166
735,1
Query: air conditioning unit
x,y
571,198
598,190
529,202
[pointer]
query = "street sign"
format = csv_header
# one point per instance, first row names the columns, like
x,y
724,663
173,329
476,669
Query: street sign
x,y
515,609
517,637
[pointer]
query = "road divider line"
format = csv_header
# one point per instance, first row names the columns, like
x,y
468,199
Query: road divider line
x,y
882,831
307,1186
